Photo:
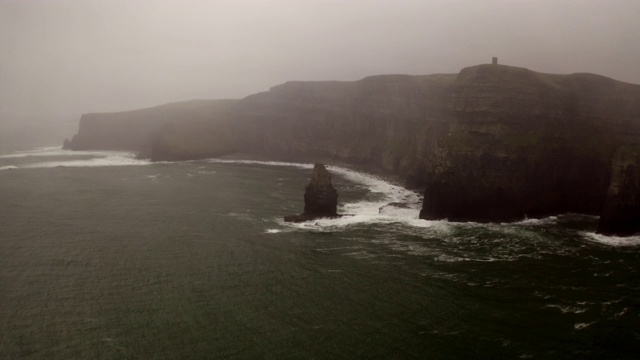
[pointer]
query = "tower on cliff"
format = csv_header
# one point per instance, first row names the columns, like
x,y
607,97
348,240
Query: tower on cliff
x,y
494,60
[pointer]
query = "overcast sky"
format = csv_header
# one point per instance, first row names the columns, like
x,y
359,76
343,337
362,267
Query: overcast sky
x,y
67,57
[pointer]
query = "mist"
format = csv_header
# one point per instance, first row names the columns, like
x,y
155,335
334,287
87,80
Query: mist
x,y
64,58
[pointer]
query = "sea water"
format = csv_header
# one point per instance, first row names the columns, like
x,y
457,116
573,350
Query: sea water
x,y
104,256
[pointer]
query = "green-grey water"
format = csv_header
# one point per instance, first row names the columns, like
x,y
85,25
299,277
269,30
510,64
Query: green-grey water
x,y
107,257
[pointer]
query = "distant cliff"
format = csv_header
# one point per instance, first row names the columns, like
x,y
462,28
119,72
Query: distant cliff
x,y
492,143
139,130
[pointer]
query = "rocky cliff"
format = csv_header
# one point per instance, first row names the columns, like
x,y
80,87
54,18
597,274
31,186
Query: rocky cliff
x,y
144,130
387,122
528,144
621,214
492,143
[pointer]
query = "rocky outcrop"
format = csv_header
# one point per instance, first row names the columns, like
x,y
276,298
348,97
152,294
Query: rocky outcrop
x,y
492,143
621,214
320,197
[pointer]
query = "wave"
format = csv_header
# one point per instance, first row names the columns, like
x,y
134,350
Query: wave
x,y
73,158
612,240
53,151
543,221
259,162
111,160
567,309
580,326
379,211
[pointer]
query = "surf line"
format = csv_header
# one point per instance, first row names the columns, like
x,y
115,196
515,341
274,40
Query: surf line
x,y
395,204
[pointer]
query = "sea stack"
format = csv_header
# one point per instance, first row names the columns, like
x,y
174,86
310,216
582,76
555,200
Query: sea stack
x,y
320,197
621,215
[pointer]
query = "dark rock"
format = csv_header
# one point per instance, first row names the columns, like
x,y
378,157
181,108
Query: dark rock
x,y
320,197
621,214
66,145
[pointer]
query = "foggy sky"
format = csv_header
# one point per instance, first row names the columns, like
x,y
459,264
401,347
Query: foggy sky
x,y
64,57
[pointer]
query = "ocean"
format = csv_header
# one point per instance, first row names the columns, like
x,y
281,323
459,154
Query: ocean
x,y
104,256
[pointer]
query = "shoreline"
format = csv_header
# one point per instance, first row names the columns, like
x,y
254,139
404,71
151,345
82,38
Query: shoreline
x,y
375,171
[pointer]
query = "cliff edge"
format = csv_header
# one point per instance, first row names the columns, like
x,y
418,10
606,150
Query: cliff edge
x,y
146,131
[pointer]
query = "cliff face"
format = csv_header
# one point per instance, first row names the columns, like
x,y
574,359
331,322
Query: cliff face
x,y
492,143
621,214
523,143
389,122
139,130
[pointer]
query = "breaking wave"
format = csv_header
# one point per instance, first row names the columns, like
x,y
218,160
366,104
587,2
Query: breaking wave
x,y
45,151
387,203
50,157
612,240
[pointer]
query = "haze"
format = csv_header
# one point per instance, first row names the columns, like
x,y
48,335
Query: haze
x,y
64,58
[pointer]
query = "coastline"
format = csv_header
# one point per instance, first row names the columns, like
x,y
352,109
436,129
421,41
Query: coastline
x,y
368,169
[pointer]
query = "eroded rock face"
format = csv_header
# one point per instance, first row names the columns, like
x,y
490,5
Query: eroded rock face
x,y
621,215
320,197
525,144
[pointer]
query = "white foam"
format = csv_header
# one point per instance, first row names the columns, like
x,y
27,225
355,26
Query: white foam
x,y
272,231
104,158
580,326
51,151
544,221
612,240
8,167
365,211
75,158
40,150
257,162
567,309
